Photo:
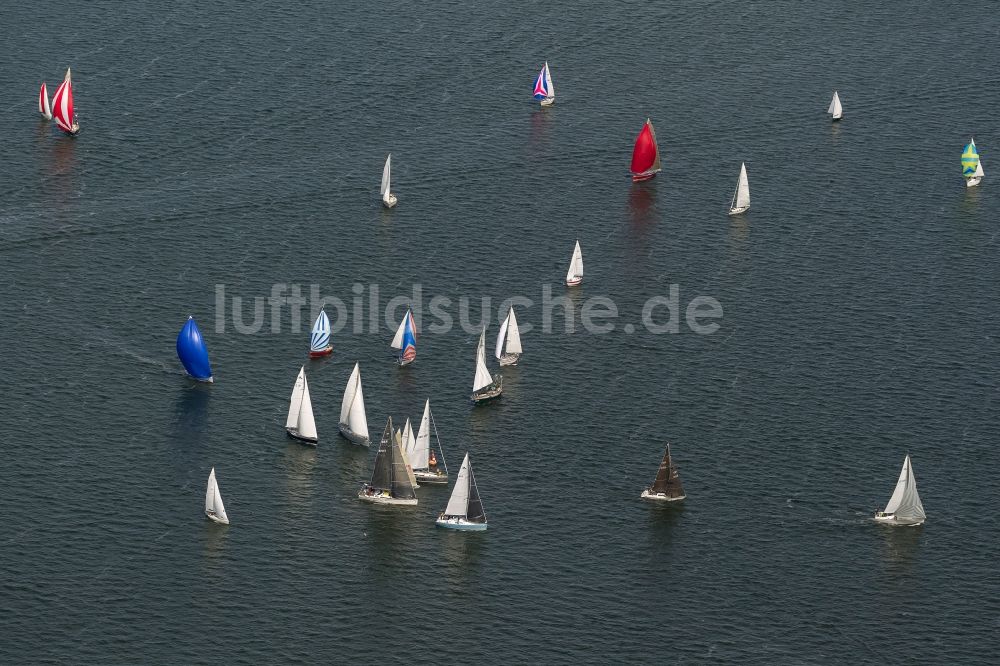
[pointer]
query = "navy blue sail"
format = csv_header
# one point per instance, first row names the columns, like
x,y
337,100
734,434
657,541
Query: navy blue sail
x,y
192,352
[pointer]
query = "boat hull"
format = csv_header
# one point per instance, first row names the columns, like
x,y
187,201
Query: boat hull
x,y
294,434
548,101
404,362
639,177
739,211
892,521
215,519
390,201
352,436
431,478
490,392
659,497
574,282
972,182
321,353
460,524
509,359
385,499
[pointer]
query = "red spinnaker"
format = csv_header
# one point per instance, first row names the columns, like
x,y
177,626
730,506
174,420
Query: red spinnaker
x,y
645,155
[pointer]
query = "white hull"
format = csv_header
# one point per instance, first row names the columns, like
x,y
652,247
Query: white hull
x,y
836,118
389,201
293,433
431,478
460,524
737,211
574,281
385,499
509,359
352,436
548,101
892,521
659,497
972,182
216,519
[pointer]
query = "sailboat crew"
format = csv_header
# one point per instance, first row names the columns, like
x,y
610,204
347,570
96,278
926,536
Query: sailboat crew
x,y
432,462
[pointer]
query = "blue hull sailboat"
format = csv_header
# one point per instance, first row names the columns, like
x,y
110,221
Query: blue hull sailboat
x,y
192,352
319,342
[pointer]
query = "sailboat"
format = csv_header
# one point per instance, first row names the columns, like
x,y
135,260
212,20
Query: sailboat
x,y
904,507
390,483
510,335
741,197
405,340
645,154
835,110
214,508
353,421
484,387
465,508
388,198
193,353
972,168
427,467
667,485
545,92
300,423
574,275
319,340
62,107
43,103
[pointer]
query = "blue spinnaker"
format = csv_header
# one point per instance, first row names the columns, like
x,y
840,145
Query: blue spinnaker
x,y
192,352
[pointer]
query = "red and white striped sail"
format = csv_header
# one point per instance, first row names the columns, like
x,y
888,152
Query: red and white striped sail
x,y
62,106
43,103
646,154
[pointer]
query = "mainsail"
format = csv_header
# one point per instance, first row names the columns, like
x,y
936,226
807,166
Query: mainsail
x,y
43,103
295,403
905,501
384,189
483,377
420,455
668,481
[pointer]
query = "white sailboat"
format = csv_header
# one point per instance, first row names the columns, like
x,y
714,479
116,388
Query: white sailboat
x,y
353,421
484,386
388,198
574,275
741,197
427,467
835,110
511,336
300,423
465,508
390,483
904,507
214,508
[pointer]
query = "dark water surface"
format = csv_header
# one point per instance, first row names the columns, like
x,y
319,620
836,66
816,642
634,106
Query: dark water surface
x,y
240,144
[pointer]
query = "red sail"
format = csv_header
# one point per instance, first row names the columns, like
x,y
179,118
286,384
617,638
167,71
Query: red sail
x,y
62,105
645,159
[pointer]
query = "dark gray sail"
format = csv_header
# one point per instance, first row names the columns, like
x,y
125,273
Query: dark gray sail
x,y
382,474
668,481
475,513
400,487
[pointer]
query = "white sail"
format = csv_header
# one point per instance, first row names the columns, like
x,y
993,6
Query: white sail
x,y
502,336
458,504
979,169
836,110
422,445
408,439
741,197
403,441
306,426
295,402
397,340
483,377
575,271
513,334
349,391
384,190
213,500
905,502
548,83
